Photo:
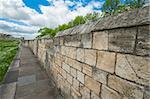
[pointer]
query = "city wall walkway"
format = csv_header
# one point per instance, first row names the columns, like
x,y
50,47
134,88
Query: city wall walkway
x,y
26,79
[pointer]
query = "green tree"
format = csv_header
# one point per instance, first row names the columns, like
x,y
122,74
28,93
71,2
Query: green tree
x,y
78,20
91,16
63,27
110,6
46,31
135,3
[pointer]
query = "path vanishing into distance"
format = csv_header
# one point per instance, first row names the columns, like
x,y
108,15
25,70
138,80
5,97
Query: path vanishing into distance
x,y
26,79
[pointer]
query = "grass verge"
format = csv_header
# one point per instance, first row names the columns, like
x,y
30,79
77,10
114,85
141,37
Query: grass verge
x,y
8,49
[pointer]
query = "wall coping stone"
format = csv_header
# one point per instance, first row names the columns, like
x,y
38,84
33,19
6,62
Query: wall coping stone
x,y
132,18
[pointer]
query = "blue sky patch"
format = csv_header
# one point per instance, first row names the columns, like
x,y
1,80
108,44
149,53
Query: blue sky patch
x,y
35,4
72,7
44,17
14,21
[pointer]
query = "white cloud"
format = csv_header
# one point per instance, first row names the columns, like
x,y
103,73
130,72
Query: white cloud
x,y
17,30
59,14
52,15
97,4
14,9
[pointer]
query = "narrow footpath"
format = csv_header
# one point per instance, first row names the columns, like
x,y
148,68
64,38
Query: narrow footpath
x,y
26,79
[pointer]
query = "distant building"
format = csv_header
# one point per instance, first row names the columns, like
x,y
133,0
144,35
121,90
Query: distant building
x,y
5,36
22,38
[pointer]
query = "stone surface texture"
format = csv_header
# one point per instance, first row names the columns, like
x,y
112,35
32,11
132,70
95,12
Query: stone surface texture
x,y
104,59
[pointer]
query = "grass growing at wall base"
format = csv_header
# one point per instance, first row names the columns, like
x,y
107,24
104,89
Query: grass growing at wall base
x,y
8,49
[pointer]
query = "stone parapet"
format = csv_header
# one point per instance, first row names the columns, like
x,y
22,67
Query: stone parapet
x,y
106,59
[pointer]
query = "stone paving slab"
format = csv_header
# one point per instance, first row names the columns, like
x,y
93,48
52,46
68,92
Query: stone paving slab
x,y
16,63
11,76
41,76
8,91
47,94
26,70
33,89
27,79
25,90
32,65
29,61
0,91
42,85
33,82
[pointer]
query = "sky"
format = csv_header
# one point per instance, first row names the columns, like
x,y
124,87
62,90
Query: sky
x,y
23,18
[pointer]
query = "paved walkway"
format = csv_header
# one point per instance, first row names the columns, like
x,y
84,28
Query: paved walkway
x,y
26,79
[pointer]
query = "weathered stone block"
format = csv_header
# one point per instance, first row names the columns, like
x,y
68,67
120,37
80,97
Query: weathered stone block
x,y
80,77
122,40
100,76
57,56
58,62
107,93
73,40
57,68
66,89
63,73
92,84
125,87
106,61
143,15
57,49
71,52
69,78
63,50
75,94
56,41
100,40
73,72
77,65
147,93
87,69
59,79
66,67
86,40
85,92
69,61
61,41
134,68
80,54
90,57
94,96
143,41
119,20
76,84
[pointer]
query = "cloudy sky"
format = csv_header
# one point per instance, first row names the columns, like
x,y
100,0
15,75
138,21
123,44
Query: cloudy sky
x,y
25,17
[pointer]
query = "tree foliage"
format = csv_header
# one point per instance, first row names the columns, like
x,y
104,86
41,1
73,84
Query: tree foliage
x,y
110,6
115,6
77,21
91,16
135,3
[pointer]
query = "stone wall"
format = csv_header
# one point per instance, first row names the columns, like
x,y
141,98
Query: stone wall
x,y
106,59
